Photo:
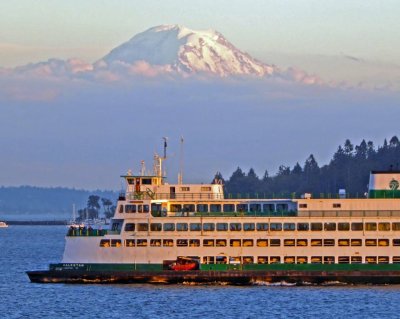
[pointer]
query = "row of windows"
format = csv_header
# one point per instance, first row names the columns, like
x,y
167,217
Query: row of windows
x,y
205,208
248,242
300,260
263,226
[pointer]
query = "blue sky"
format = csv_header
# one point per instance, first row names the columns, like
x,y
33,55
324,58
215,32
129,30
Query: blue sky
x,y
81,133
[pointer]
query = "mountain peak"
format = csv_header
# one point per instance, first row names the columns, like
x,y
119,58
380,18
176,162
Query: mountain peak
x,y
185,50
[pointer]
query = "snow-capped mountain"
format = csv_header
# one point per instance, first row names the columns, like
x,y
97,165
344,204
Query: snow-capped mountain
x,y
187,51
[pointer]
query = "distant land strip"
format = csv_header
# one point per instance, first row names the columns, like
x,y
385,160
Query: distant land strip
x,y
36,222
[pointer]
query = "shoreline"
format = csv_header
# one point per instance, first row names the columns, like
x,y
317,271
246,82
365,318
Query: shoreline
x,y
36,222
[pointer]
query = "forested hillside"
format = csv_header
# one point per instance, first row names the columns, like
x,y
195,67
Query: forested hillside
x,y
348,169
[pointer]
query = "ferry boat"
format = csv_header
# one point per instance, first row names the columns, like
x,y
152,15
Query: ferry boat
x,y
193,233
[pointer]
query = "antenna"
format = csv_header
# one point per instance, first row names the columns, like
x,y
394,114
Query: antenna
x,y
165,147
180,175
142,168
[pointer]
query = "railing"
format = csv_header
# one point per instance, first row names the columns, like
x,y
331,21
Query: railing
x,y
226,214
180,196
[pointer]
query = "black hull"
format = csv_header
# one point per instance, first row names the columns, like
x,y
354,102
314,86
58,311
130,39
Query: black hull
x,y
215,277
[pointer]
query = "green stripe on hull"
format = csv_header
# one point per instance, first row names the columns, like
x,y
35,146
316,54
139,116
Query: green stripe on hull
x,y
225,267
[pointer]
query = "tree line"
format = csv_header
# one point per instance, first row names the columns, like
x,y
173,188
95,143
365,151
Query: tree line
x,y
348,169
97,207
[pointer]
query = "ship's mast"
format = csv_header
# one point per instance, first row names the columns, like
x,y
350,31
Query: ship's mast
x,y
158,160
180,175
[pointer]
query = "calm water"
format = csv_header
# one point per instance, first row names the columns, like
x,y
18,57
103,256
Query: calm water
x,y
33,247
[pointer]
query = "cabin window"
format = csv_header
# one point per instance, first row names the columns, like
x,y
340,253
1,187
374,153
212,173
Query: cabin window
x,y
169,227
121,209
181,242
303,226
221,259
208,260
140,208
316,226
116,227
248,260
370,242
220,242
155,242
343,242
289,226
185,189
222,226
302,259
208,242
275,227
396,226
181,226
329,242
235,242
262,260
143,227
194,242
396,242
229,208
329,226
282,207
383,242
356,242
215,208
116,243
301,242
396,259
188,208
343,226
129,242
146,208
329,259
130,181
202,208
289,259
356,259
262,242
357,226
370,226
146,181
255,207
235,226
155,226
302,205
175,208
316,259
383,260
316,242
262,226
235,260
275,260
344,260
274,242
384,226
205,188
248,226
208,226
195,227
247,242
288,242
105,243
241,208
336,205
168,242
141,242
268,208
370,259
130,209
130,227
